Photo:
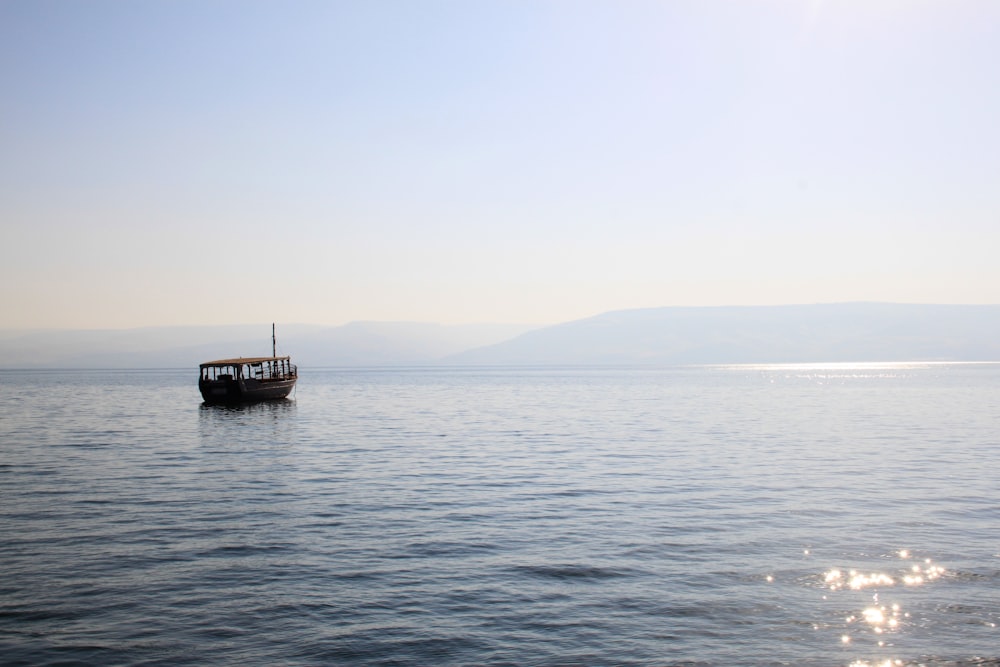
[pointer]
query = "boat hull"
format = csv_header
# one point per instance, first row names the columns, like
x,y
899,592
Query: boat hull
x,y
229,391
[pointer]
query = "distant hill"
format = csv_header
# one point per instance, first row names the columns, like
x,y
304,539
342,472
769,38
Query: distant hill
x,y
355,344
394,343
654,336
758,334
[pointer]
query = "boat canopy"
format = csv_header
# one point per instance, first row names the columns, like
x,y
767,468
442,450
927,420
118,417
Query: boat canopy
x,y
244,360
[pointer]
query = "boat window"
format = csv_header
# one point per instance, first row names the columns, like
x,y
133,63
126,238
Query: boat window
x,y
220,372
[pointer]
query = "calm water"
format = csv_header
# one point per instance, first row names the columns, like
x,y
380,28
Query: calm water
x,y
769,515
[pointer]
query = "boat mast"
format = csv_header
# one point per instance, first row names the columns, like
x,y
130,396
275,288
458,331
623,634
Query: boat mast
x,y
274,343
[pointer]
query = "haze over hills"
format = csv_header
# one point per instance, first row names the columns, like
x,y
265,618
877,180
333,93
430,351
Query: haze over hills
x,y
759,334
655,336
354,344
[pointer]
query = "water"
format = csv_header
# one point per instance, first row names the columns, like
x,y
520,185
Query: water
x,y
754,515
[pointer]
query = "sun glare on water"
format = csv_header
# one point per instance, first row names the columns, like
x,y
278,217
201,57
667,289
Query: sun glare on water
x,y
843,371
876,623
836,579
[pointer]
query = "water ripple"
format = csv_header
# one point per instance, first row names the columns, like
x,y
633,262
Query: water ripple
x,y
525,517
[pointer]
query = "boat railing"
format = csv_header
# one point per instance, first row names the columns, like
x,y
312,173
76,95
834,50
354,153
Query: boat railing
x,y
269,371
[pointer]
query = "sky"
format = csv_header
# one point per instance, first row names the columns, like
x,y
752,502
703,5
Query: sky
x,y
186,162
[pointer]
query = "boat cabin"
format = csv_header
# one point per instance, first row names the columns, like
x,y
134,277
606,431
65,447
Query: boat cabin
x,y
248,368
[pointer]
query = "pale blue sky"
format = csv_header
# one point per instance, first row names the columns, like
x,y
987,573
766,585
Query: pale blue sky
x,y
212,162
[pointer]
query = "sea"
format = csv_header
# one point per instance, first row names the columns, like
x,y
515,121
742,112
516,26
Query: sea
x,y
808,515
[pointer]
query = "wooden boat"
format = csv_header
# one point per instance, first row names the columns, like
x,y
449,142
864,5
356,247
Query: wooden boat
x,y
248,379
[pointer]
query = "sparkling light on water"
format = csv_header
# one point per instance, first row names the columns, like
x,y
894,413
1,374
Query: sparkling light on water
x,y
835,579
878,618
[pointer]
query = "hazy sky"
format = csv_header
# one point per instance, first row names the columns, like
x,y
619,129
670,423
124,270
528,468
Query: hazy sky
x,y
211,162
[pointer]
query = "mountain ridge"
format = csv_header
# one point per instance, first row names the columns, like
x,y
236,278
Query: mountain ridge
x,y
670,335
857,331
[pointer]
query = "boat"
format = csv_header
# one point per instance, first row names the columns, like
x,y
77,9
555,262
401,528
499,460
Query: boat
x,y
248,379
